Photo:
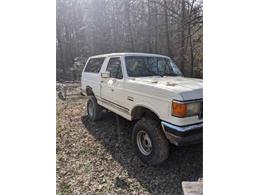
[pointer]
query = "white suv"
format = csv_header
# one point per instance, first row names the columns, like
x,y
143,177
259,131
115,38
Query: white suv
x,y
148,89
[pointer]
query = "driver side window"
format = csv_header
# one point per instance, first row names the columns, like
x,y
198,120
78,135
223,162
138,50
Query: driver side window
x,y
114,67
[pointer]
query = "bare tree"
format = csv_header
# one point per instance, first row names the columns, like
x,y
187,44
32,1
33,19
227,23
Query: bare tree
x,y
90,27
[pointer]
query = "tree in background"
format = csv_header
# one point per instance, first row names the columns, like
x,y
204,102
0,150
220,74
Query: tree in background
x,y
91,27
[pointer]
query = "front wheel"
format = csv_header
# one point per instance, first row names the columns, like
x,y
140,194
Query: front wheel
x,y
149,141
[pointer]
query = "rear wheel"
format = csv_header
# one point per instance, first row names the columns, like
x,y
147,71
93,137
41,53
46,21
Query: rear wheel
x,y
149,141
94,110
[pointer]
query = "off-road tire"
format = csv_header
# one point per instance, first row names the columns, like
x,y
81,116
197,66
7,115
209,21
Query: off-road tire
x,y
97,109
160,145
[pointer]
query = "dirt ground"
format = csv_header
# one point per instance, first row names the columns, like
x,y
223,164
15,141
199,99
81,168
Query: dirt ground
x,y
93,159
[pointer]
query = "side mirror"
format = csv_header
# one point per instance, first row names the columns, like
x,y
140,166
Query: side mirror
x,y
105,75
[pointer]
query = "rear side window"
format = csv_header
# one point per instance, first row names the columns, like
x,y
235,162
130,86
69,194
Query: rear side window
x,y
114,67
94,65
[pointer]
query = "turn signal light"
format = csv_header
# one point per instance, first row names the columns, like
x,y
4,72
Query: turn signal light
x,y
179,109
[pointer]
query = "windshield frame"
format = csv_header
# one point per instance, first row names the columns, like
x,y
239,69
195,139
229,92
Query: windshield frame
x,y
171,63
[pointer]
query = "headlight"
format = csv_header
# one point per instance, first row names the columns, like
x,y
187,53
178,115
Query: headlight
x,y
180,109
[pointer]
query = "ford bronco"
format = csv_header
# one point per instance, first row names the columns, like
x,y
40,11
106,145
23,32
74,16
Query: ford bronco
x,y
150,90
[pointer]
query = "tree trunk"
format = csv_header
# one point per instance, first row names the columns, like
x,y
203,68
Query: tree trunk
x,y
182,53
167,28
149,27
129,26
156,30
191,53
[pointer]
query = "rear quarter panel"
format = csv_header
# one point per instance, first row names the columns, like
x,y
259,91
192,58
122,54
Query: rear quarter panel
x,y
92,79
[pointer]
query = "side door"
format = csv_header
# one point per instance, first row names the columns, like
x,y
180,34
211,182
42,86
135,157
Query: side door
x,y
105,85
115,84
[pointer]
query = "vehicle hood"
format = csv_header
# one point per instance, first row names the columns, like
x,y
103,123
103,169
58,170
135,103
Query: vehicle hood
x,y
182,88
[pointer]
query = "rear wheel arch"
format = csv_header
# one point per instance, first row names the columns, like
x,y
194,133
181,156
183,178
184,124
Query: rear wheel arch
x,y
89,91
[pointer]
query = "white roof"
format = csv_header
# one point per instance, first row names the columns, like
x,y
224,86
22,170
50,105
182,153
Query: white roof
x,y
129,54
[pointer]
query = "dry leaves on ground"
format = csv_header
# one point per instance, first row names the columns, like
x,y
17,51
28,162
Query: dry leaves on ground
x,y
91,160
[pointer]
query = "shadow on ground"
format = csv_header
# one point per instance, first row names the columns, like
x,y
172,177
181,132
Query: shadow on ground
x,y
184,163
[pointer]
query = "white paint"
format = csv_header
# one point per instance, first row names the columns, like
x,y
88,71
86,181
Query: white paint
x,y
155,93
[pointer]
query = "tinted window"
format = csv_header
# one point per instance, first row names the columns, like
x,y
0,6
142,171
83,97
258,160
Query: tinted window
x,y
114,67
94,65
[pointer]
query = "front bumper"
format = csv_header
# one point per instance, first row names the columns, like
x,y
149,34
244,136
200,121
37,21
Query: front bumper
x,y
183,135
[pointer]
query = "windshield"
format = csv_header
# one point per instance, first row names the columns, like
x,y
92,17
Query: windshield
x,y
141,66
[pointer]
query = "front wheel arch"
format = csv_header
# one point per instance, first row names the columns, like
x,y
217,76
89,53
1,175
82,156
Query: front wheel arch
x,y
140,111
